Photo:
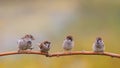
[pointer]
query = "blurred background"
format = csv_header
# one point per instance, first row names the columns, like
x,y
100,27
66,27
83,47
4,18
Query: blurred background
x,y
54,19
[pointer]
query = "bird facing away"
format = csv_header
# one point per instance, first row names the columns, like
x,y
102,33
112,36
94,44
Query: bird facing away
x,y
98,45
25,43
68,43
45,46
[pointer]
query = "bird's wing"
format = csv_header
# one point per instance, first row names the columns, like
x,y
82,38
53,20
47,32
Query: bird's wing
x,y
20,42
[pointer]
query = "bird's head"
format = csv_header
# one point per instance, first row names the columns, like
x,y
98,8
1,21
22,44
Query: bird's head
x,y
69,38
28,36
47,42
98,39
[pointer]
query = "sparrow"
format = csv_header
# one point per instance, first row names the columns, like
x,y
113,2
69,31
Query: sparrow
x,y
45,46
68,43
25,43
98,45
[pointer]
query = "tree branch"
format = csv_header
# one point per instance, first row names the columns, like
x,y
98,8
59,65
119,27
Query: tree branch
x,y
64,53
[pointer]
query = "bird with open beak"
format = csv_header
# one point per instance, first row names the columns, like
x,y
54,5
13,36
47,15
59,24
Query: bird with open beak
x,y
68,43
98,45
25,43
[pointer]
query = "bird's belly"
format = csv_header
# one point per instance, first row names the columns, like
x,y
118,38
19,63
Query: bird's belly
x,y
67,47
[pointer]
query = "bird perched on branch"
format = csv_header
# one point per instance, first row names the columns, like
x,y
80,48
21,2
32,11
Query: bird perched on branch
x,y
25,43
68,43
98,45
45,46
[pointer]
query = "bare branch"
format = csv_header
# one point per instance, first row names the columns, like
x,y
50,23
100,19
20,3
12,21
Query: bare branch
x,y
86,53
64,53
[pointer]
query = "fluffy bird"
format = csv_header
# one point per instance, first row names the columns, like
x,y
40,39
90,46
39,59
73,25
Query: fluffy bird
x,y
45,46
68,43
98,45
25,43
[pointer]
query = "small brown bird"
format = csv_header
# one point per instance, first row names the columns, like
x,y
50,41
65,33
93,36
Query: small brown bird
x,y
68,43
25,43
98,45
45,46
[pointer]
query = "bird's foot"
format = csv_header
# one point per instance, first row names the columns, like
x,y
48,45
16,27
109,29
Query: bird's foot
x,y
99,52
21,51
45,53
27,51
67,52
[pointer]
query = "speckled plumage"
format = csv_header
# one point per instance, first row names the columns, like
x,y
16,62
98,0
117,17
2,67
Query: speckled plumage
x,y
45,46
25,42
